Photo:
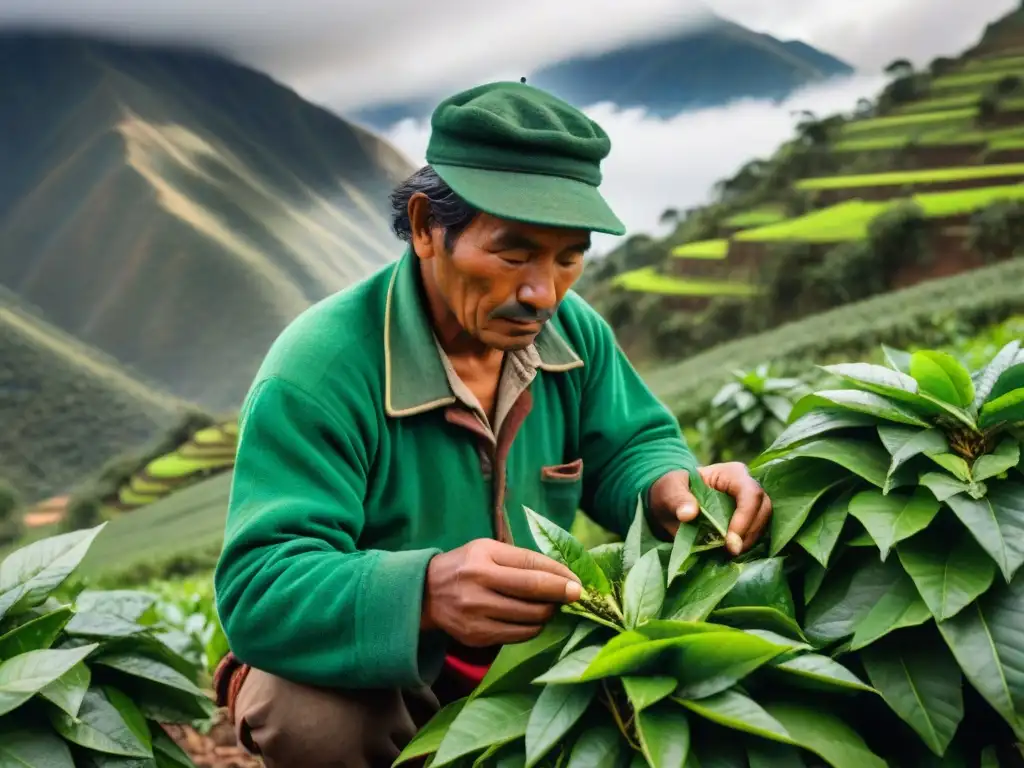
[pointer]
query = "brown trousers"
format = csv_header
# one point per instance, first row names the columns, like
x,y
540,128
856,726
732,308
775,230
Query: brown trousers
x,y
298,726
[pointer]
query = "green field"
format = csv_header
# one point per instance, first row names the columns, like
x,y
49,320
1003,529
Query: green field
x,y
999,64
703,249
756,217
898,178
187,523
973,80
910,123
939,104
647,280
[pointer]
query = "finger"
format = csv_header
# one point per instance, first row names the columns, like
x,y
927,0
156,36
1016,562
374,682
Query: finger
x,y
672,496
504,634
748,495
535,585
528,560
513,611
764,514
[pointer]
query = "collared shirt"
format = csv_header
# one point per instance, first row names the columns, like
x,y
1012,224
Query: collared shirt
x,y
360,458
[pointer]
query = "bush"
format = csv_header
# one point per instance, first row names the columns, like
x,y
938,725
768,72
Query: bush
x,y
10,518
899,503
674,656
85,681
997,231
906,317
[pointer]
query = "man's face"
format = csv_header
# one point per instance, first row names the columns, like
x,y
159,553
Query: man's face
x,y
503,280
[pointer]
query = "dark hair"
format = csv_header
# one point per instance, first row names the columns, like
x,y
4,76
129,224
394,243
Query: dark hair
x,y
447,209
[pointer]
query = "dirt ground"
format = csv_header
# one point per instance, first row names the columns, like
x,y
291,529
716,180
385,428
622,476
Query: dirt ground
x,y
217,749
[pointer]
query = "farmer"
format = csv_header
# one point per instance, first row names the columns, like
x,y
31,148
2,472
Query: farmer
x,y
376,553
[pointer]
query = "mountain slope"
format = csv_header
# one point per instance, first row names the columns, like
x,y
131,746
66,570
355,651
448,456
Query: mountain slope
x,y
700,67
175,210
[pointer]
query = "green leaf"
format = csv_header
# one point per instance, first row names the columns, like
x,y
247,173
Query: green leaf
x,y
167,753
560,545
570,668
128,604
640,539
987,639
558,708
106,722
820,534
996,522
35,635
921,682
599,747
761,584
749,617
682,548
847,597
987,380
28,746
148,669
429,737
819,731
942,486
1010,379
904,443
823,672
1008,409
873,378
900,606
643,591
864,459
23,676
609,559
738,712
768,754
794,488
482,723
101,625
941,375
517,663
812,425
855,400
583,631
68,690
642,692
706,664
1005,456
664,734
897,359
715,507
38,568
950,573
955,465
696,594
893,518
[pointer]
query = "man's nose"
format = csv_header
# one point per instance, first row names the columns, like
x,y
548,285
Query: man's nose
x,y
538,291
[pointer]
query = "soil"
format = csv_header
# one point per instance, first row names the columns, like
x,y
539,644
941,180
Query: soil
x,y
216,749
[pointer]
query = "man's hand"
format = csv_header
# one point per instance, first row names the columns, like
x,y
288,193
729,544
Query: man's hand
x,y
488,593
673,503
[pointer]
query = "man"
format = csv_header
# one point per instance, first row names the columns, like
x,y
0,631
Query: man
x,y
376,553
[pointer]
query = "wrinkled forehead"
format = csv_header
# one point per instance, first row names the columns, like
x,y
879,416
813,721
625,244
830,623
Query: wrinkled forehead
x,y
505,234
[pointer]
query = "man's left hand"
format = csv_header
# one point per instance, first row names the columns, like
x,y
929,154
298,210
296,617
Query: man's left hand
x,y
672,502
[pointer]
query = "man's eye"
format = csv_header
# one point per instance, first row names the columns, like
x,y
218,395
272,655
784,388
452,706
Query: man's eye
x,y
514,257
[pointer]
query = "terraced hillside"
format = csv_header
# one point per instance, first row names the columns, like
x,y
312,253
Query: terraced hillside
x,y
174,210
64,408
925,181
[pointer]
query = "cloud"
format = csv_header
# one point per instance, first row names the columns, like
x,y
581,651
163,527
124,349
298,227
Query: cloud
x,y
657,164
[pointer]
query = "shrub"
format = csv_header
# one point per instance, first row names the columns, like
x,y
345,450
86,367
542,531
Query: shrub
x,y
899,501
186,614
673,656
85,682
996,231
10,517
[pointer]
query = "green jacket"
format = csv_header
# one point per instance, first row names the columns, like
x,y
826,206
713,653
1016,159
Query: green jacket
x,y
358,462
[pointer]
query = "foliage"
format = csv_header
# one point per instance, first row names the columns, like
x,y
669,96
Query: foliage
x,y
10,518
674,656
997,230
746,415
186,612
898,494
85,682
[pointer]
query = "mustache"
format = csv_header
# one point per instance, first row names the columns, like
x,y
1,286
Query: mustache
x,y
522,313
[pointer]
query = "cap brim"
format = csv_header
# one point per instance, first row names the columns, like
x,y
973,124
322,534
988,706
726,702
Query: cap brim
x,y
533,198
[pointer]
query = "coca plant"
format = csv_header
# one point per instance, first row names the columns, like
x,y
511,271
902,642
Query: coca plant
x,y
902,495
675,655
83,682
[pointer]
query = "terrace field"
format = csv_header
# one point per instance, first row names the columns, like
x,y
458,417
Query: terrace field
x,y
647,280
918,177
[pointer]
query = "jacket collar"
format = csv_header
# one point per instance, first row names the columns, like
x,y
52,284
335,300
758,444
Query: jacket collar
x,y
415,380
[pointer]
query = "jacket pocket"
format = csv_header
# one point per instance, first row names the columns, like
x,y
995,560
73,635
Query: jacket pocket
x,y
561,489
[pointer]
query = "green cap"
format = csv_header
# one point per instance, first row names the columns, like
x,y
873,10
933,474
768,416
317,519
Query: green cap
x,y
520,153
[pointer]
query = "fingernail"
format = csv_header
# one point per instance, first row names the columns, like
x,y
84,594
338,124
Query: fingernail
x,y
734,542
686,511
573,590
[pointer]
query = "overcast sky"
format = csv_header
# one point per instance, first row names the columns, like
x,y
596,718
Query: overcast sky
x,y
347,52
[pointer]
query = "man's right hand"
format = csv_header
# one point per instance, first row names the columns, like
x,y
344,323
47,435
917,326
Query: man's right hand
x,y
488,593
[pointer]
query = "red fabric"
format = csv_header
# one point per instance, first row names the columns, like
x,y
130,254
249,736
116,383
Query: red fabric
x,y
465,671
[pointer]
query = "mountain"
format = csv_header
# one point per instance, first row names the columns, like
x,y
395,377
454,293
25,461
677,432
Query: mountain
x,y
706,66
174,210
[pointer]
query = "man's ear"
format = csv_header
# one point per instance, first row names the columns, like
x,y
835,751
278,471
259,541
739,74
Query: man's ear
x,y
419,224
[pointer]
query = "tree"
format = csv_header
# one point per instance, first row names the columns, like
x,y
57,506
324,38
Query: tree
x,y
941,66
864,108
899,68
669,216
1007,85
